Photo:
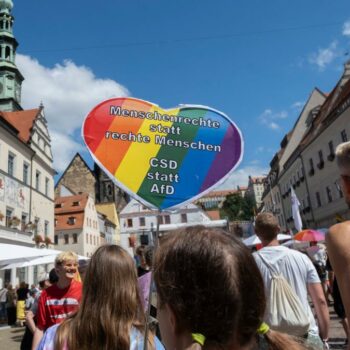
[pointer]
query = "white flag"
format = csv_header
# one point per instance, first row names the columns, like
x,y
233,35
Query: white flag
x,y
295,211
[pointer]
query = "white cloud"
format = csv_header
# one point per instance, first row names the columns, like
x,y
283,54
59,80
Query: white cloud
x,y
298,105
324,57
346,28
68,93
269,118
240,176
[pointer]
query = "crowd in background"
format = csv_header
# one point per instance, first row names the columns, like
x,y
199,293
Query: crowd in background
x,y
212,293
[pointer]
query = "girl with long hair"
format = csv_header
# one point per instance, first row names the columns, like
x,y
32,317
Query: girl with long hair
x,y
110,315
211,294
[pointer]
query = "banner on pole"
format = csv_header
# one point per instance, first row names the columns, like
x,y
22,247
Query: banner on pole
x,y
163,158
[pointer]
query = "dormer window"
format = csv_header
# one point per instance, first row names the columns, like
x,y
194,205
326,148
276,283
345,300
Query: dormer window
x,y
71,220
75,204
58,205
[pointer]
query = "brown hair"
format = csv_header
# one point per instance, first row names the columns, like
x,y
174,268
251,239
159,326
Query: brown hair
x,y
266,226
211,282
110,304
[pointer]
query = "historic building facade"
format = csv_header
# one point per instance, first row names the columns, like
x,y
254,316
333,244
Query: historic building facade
x,y
26,162
305,161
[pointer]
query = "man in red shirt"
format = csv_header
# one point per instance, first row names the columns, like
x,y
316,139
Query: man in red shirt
x,y
61,299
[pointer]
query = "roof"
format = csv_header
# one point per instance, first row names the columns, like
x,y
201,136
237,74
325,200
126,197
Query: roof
x,y
332,102
222,193
62,221
213,214
258,179
22,121
64,205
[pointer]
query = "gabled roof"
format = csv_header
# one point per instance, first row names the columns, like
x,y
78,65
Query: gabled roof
x,y
63,221
332,102
213,214
64,205
22,121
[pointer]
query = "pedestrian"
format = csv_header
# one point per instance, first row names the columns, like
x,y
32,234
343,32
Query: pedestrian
x,y
211,294
61,299
300,274
110,316
3,297
22,295
27,340
338,237
11,305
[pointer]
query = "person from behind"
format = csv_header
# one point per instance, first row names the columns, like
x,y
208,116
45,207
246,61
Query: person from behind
x,y
338,237
11,305
22,295
211,294
3,298
110,315
61,299
300,274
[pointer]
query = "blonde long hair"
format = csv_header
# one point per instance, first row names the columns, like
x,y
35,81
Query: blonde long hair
x,y
110,305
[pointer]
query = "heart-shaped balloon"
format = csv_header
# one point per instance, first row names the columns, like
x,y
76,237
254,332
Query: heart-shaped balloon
x,y
163,158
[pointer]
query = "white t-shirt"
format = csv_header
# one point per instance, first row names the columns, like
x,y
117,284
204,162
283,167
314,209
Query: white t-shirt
x,y
296,268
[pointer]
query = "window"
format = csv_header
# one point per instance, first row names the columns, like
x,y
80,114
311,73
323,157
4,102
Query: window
x,y
71,220
56,239
183,218
340,192
58,205
47,182
129,222
66,239
9,213
318,199
142,222
331,147
329,194
87,238
55,222
94,240
312,170
75,204
11,164
24,218
344,136
37,180
46,228
75,238
167,219
90,238
161,220
26,173
321,162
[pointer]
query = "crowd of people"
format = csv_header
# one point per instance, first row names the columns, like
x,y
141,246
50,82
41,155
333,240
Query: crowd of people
x,y
212,293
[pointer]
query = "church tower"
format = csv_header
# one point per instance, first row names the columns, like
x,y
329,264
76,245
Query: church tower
x,y
10,77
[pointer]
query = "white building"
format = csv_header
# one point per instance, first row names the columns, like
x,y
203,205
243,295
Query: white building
x,y
138,223
107,229
255,189
76,224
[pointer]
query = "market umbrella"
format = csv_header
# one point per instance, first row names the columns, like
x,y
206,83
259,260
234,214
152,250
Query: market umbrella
x,y
309,235
254,240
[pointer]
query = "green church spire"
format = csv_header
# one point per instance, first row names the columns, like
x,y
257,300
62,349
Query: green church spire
x,y
10,77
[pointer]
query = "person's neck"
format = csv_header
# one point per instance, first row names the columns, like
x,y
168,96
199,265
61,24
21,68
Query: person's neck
x,y
272,243
64,283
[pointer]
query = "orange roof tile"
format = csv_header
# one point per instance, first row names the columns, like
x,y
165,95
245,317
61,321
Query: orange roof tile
x,y
64,205
222,193
23,121
62,221
213,214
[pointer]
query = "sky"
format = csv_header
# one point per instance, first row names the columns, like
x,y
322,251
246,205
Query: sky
x,y
256,61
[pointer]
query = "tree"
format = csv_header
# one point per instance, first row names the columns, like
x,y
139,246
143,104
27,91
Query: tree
x,y
238,208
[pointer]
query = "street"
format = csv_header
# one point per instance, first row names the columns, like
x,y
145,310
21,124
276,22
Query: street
x,y
10,338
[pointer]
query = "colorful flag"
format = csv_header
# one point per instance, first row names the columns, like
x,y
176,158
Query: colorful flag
x,y
144,283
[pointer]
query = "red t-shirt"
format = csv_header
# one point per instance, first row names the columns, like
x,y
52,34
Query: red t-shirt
x,y
56,304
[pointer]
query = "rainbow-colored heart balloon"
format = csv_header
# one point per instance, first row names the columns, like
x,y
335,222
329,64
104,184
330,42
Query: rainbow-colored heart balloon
x,y
163,158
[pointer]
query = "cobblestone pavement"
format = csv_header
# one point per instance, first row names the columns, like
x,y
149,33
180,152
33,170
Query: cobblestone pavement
x,y
10,338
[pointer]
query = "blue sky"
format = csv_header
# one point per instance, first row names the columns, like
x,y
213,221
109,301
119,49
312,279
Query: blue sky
x,y
255,61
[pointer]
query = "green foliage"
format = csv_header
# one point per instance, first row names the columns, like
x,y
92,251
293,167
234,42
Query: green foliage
x,y
238,208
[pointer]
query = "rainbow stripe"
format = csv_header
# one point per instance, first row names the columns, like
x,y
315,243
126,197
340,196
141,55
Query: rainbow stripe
x,y
129,161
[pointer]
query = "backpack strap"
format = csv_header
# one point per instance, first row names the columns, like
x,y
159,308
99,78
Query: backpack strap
x,y
272,269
